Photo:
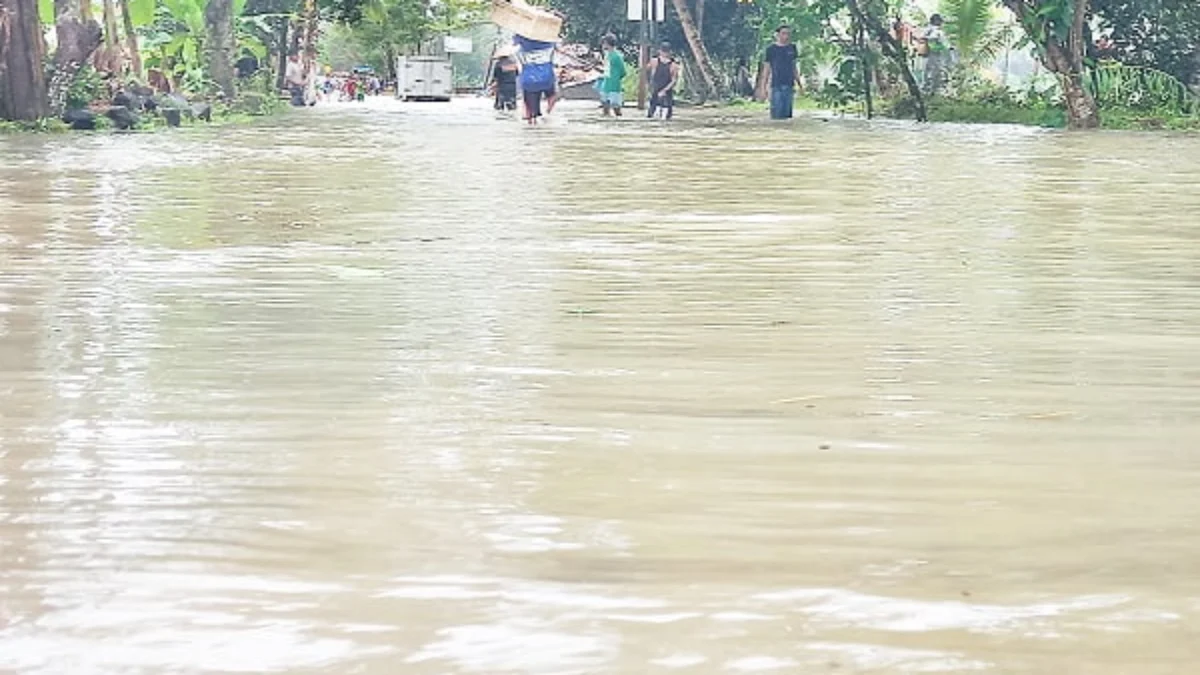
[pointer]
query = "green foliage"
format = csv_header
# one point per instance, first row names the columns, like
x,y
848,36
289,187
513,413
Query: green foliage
x,y
174,43
85,88
1137,88
254,103
976,112
975,32
44,125
141,12
1159,34
1139,120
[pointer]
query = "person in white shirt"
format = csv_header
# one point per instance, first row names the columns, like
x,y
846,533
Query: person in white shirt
x,y
295,79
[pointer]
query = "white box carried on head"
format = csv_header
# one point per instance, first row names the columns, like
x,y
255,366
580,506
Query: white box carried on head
x,y
521,18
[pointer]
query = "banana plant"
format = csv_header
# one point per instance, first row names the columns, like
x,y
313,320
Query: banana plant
x,y
1119,85
174,42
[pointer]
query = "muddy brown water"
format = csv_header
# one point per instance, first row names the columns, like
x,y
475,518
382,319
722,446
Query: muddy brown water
x,y
406,389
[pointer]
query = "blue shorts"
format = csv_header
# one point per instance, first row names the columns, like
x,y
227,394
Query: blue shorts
x,y
612,99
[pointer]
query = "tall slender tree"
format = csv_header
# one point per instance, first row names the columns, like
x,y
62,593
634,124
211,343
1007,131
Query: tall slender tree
x,y
699,51
110,59
131,42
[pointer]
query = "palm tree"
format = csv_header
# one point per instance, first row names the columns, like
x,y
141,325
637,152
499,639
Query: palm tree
x,y
976,32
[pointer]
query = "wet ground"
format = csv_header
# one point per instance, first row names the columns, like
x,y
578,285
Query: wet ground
x,y
408,389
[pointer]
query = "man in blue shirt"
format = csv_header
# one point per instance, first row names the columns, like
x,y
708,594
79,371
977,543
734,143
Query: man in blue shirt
x,y
538,78
781,73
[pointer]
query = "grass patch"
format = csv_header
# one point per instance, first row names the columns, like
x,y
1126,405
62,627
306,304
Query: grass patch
x,y
1148,120
985,112
45,125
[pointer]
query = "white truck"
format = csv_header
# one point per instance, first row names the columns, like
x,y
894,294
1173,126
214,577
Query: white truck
x,y
424,78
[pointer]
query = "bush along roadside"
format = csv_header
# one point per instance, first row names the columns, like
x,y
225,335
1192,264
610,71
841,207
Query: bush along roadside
x,y
135,106
1134,99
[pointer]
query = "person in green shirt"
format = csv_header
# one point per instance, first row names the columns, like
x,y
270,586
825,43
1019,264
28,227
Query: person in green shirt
x,y
611,92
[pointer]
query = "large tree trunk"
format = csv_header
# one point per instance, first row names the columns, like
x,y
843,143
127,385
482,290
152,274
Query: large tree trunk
x,y
1064,60
892,49
85,10
77,35
131,43
699,53
77,38
22,80
1082,111
218,19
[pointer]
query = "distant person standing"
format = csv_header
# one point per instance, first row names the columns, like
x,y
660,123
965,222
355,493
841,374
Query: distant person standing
x,y
662,74
295,79
935,47
538,79
781,73
612,95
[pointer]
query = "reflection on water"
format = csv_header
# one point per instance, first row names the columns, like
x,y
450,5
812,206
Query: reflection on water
x,y
408,389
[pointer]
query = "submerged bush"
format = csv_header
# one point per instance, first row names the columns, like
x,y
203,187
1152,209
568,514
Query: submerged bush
x,y
85,88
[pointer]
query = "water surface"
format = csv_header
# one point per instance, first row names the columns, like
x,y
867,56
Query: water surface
x,y
407,389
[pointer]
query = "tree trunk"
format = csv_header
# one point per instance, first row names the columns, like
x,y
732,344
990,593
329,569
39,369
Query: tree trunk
x,y
131,43
1082,111
77,36
311,19
1064,60
700,17
85,10
77,39
284,47
699,53
22,80
864,61
893,50
110,59
218,21
389,53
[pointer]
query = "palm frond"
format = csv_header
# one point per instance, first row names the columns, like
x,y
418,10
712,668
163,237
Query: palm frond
x,y
968,22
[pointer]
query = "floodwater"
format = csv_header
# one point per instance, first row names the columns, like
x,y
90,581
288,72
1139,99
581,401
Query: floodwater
x,y
407,389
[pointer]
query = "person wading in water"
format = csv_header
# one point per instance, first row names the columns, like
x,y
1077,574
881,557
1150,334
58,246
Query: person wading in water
x,y
662,73
611,96
296,79
781,73
504,80
538,79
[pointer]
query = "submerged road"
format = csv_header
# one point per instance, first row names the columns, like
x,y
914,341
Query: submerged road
x,y
406,389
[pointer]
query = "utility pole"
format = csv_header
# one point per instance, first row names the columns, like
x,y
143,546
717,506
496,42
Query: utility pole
x,y
644,52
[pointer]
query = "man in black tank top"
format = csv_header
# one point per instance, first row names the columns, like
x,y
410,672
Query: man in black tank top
x,y
661,74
